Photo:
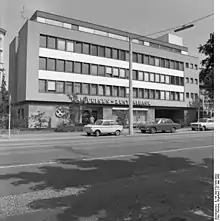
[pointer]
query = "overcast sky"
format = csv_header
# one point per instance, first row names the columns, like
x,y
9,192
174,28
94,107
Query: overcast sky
x,y
138,16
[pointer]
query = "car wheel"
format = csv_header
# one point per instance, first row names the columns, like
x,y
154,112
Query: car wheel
x,y
153,130
117,132
88,134
173,130
203,128
193,128
97,133
143,131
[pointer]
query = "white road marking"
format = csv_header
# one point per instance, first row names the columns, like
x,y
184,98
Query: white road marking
x,y
107,157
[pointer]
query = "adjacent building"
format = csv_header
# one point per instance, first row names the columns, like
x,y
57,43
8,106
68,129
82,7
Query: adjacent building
x,y
54,56
2,35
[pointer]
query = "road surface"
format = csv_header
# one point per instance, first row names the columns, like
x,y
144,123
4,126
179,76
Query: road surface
x,y
142,177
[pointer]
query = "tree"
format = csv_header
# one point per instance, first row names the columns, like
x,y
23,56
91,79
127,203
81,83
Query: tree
x,y
207,70
39,120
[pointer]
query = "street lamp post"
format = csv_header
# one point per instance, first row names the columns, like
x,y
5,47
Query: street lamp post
x,y
9,117
130,88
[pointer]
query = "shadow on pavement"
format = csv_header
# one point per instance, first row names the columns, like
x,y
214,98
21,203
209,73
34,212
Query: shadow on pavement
x,y
145,188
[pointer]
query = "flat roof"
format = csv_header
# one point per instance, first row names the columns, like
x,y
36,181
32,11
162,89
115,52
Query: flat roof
x,y
103,28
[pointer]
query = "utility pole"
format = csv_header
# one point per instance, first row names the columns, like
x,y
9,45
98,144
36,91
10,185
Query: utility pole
x,y
9,117
130,88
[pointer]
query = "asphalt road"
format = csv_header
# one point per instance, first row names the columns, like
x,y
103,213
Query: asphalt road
x,y
143,177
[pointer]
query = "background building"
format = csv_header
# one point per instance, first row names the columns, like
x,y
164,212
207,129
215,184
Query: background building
x,y
2,35
54,56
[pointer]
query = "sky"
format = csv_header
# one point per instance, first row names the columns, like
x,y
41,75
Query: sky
x,y
139,16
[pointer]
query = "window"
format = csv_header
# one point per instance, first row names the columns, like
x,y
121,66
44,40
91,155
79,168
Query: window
x,y
42,63
162,78
196,96
108,90
167,95
172,96
122,55
146,59
146,93
85,88
108,53
69,66
85,68
51,42
101,51
122,92
157,78
77,88
187,65
172,64
78,67
75,27
187,95
167,79
191,66
135,57
157,94
122,73
177,80
162,62
141,93
94,89
127,56
141,76
140,58
181,97
70,46
181,81
108,71
187,80
85,48
196,81
101,89
127,73
94,69
146,76
192,95
60,87
51,64
115,72
176,65
181,66
167,63
115,91
151,60
152,77
191,80
61,44
157,62
42,85
43,41
78,47
101,70
135,75
66,25
60,65
135,92
127,91
69,88
115,54
94,50
152,94
51,86
172,79
196,67
177,96
162,95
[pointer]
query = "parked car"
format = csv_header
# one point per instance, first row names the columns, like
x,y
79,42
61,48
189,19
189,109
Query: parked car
x,y
203,124
103,127
159,125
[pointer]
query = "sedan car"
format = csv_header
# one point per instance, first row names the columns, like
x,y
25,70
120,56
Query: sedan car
x,y
103,127
203,124
159,125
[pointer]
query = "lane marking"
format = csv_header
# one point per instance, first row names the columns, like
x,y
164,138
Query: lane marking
x,y
108,157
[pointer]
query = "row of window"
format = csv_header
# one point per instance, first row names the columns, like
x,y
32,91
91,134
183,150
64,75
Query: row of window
x,y
192,95
102,51
191,80
106,90
52,64
105,34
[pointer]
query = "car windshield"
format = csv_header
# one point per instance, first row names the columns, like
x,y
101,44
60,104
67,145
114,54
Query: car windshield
x,y
99,122
203,120
157,120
